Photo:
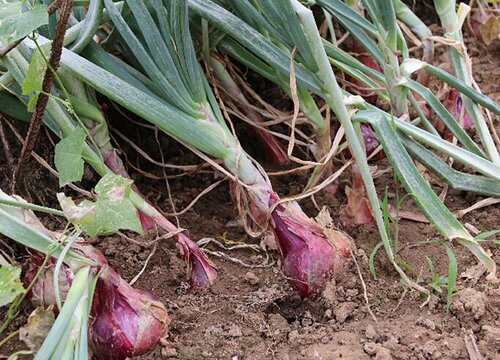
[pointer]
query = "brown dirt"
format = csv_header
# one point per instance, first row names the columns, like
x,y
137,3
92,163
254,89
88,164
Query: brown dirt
x,y
251,313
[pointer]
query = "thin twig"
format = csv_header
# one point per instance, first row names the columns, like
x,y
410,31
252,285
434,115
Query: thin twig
x,y
6,147
471,346
43,98
195,200
46,165
132,282
365,293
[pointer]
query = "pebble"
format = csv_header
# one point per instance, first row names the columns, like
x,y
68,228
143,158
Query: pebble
x,y
370,348
169,352
370,332
234,331
328,313
251,278
293,336
383,354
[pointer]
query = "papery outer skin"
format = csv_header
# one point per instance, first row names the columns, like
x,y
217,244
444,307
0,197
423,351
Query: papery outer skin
x,y
42,292
202,273
371,63
127,322
453,102
369,137
146,222
358,210
273,150
312,255
477,20
370,140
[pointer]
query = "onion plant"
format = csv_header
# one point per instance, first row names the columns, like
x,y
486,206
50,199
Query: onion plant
x,y
163,82
399,86
452,21
170,91
98,312
77,108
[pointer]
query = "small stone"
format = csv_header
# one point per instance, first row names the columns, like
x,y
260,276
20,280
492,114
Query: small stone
x,y
234,331
328,313
371,348
293,336
277,321
169,352
251,278
305,322
383,354
370,332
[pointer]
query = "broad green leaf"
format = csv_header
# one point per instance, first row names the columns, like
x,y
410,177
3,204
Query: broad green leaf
x,y
9,9
112,211
32,103
10,284
68,157
36,71
18,24
81,214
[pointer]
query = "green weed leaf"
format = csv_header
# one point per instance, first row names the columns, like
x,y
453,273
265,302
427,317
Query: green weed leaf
x,y
10,284
112,211
36,71
68,157
486,234
16,24
452,276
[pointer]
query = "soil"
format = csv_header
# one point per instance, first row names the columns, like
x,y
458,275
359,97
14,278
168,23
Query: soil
x,y
252,313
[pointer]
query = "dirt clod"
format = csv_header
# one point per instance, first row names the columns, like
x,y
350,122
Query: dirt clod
x,y
470,302
345,311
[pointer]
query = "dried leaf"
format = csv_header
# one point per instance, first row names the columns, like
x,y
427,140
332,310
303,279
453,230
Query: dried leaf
x,y
358,209
490,30
37,328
